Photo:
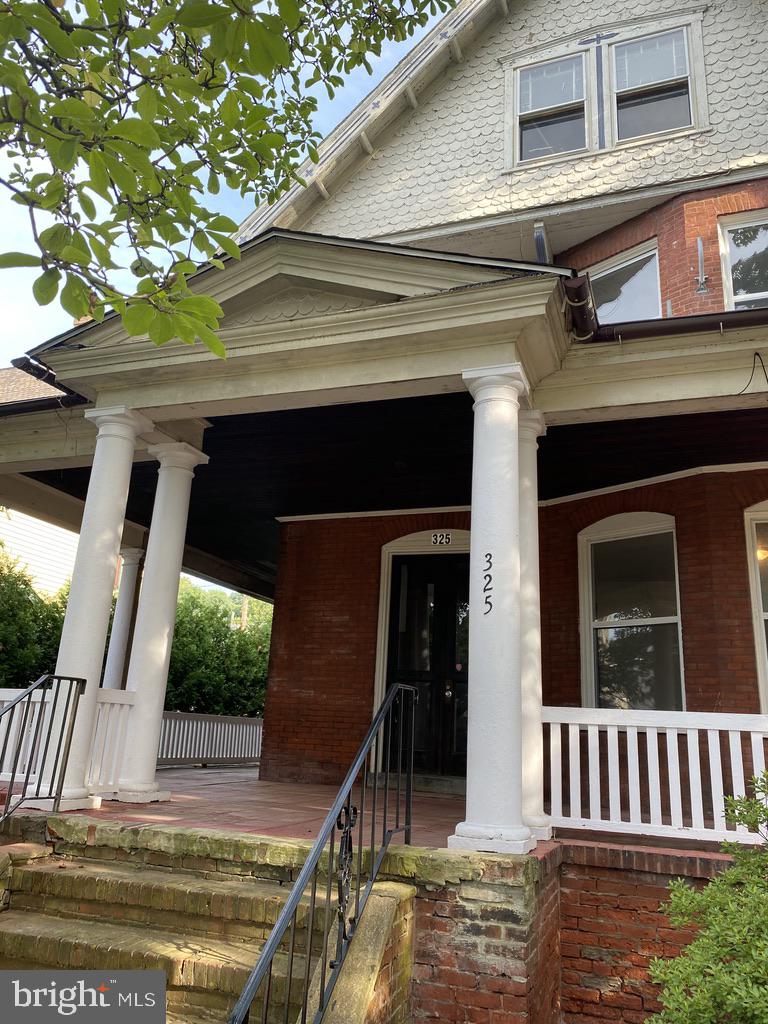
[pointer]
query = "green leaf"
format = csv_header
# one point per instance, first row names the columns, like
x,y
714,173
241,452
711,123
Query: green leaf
x,y
46,287
135,130
221,223
229,245
138,318
212,341
229,111
202,306
200,14
161,329
289,12
99,175
75,297
55,238
260,59
121,174
18,259
63,152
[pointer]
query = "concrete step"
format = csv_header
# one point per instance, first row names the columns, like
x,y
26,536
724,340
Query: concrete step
x,y
239,911
202,974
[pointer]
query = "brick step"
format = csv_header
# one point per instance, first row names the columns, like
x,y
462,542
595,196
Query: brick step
x,y
202,974
241,910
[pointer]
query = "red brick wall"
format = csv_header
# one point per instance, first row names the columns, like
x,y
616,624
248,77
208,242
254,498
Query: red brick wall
x,y
323,654
612,927
718,638
677,224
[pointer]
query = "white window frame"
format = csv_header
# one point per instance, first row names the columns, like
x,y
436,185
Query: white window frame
x,y
750,218
619,527
623,259
520,116
752,516
614,106
689,19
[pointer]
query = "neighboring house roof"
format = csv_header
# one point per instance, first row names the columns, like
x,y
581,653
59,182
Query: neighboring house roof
x,y
395,94
18,386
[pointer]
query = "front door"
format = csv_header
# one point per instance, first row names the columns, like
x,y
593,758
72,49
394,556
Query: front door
x,y
428,649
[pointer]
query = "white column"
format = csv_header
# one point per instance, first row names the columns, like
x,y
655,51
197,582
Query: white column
x,y
121,622
531,427
494,813
84,634
155,620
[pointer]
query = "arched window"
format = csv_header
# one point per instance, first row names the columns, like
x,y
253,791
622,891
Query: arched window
x,y
757,550
631,642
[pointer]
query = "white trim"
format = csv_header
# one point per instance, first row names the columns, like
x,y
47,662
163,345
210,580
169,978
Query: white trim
x,y
752,516
411,544
433,511
617,527
737,220
732,467
623,259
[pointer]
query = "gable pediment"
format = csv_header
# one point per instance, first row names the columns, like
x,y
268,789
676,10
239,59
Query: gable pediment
x,y
291,302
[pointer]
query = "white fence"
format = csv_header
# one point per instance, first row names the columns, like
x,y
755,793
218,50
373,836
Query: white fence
x,y
18,732
209,739
650,772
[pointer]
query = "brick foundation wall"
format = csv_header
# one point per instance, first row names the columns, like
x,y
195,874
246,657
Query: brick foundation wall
x,y
323,652
612,926
677,224
391,1001
718,637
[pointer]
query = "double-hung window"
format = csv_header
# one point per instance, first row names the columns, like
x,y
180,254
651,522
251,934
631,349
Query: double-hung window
x,y
551,108
630,613
627,287
608,86
744,253
652,85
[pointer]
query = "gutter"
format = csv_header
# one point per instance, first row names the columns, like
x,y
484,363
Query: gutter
x,y
730,320
39,371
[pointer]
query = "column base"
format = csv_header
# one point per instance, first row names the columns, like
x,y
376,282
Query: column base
x,y
134,796
491,839
72,803
540,826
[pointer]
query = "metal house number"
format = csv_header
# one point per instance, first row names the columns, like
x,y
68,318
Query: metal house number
x,y
441,539
488,582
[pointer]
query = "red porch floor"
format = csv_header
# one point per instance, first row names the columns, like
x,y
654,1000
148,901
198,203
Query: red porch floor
x,y
236,799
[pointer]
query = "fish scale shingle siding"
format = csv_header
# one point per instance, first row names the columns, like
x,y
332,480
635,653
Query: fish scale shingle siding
x,y
445,161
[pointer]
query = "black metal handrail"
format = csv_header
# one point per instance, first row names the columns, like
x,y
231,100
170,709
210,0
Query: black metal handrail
x,y
383,766
35,739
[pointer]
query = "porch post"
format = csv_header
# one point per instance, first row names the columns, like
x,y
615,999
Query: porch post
x,y
531,428
155,620
121,622
84,633
494,812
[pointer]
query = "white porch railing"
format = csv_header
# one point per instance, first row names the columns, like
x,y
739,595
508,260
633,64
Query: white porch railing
x,y
655,773
113,708
209,739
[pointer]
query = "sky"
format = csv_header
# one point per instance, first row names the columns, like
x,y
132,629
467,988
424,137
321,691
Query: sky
x,y
25,324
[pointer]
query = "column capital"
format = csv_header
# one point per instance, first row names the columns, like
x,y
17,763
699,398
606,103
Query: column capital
x,y
497,382
532,423
177,455
119,421
131,556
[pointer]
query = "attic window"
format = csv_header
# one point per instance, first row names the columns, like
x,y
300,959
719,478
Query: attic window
x,y
551,108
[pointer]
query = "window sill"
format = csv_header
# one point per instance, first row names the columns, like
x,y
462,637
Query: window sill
x,y
581,154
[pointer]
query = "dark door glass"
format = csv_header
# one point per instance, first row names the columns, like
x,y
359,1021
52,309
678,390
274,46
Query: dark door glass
x,y
429,649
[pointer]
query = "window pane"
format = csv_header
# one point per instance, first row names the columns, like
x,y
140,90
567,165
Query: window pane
x,y
658,111
414,640
552,84
651,60
752,304
630,292
557,133
638,667
762,561
748,250
634,578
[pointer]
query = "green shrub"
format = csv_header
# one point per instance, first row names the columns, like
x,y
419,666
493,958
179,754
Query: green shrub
x,y
217,668
30,627
722,975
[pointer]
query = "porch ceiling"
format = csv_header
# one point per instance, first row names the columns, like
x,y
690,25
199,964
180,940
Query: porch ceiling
x,y
402,454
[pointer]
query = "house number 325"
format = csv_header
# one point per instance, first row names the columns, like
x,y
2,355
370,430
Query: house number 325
x,y
488,582
441,538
